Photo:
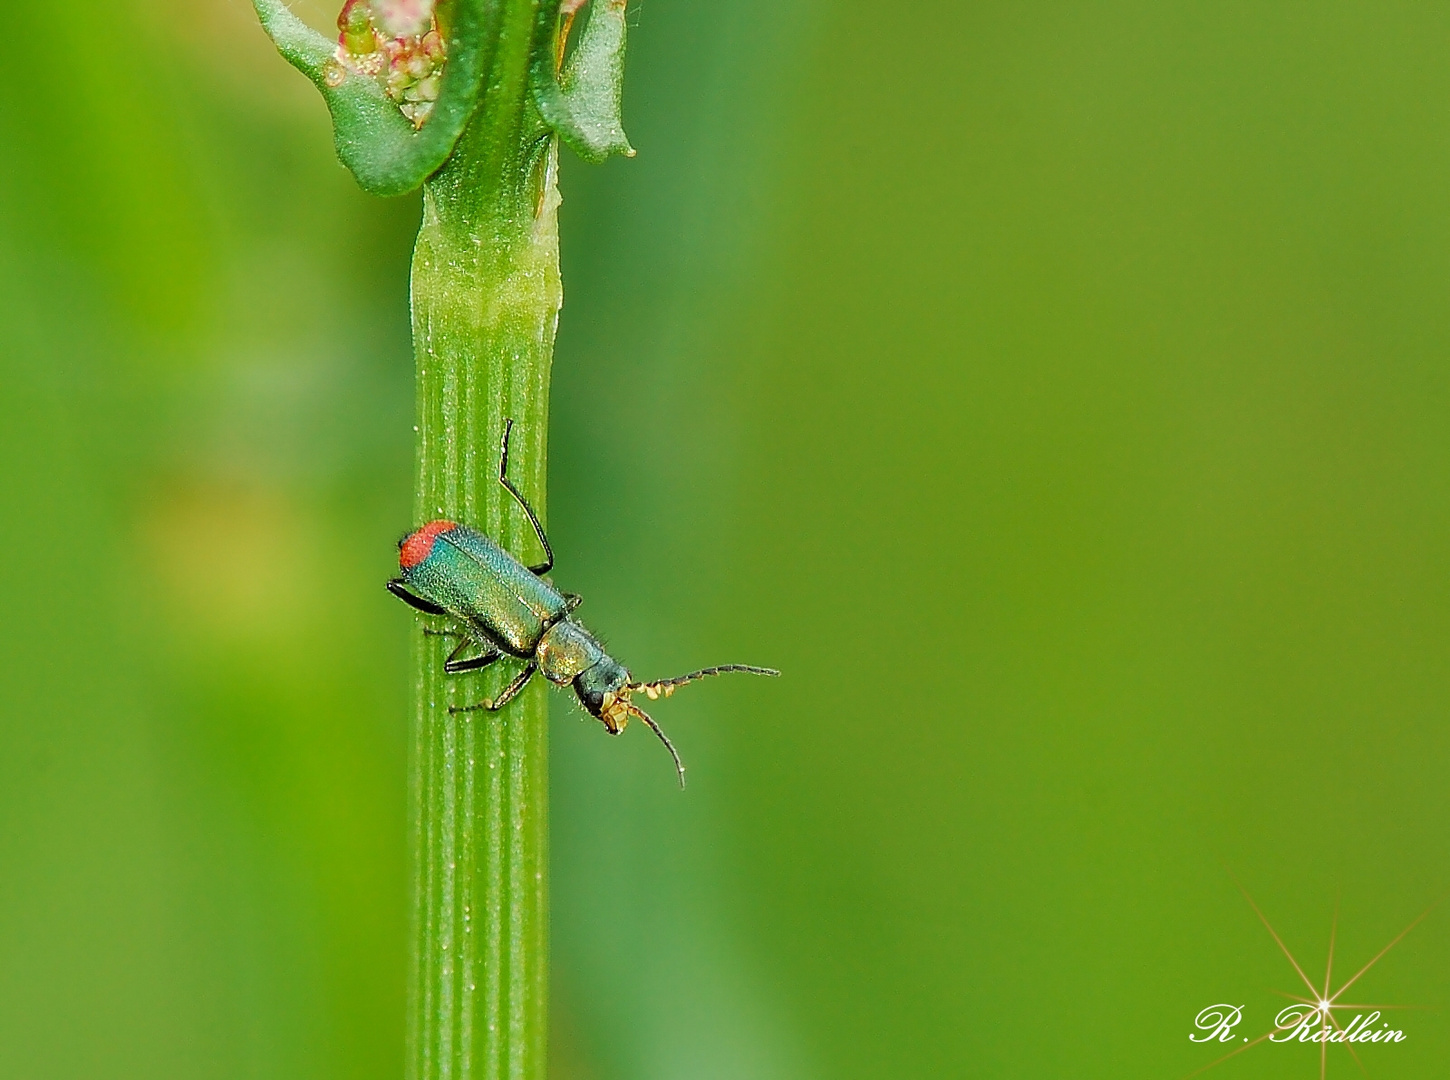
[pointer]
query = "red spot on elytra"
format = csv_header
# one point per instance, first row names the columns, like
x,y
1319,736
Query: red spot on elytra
x,y
419,545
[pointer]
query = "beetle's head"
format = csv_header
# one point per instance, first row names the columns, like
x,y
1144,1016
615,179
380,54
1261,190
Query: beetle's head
x,y
603,689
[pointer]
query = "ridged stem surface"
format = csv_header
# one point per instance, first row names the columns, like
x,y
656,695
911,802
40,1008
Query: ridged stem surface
x,y
486,297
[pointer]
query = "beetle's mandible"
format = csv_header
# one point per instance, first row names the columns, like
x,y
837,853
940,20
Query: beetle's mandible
x,y
503,608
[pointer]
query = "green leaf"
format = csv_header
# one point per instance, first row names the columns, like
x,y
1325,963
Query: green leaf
x,y
373,138
582,104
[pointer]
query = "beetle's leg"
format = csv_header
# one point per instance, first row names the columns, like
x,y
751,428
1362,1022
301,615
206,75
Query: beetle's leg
x,y
510,692
426,606
503,465
453,665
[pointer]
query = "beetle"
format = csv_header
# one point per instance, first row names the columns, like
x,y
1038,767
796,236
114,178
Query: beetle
x,y
505,608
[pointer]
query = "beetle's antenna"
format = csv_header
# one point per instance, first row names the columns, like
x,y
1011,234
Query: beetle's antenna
x,y
635,710
666,687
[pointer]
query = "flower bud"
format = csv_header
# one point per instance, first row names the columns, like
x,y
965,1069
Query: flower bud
x,y
355,26
403,18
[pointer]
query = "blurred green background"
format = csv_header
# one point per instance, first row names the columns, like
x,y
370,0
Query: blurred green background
x,y
1057,393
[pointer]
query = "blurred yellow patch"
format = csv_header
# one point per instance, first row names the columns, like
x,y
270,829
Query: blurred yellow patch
x,y
238,561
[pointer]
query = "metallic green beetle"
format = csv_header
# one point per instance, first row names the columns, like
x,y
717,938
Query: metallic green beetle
x,y
503,607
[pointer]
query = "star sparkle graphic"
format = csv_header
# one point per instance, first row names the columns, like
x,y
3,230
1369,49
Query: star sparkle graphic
x,y
1321,1002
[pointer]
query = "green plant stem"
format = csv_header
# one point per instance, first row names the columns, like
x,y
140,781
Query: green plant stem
x,y
486,297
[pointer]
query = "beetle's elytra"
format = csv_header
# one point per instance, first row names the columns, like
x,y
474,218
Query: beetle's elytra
x,y
503,608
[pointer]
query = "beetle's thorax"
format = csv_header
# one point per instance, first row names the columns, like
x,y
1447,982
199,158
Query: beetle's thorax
x,y
566,651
